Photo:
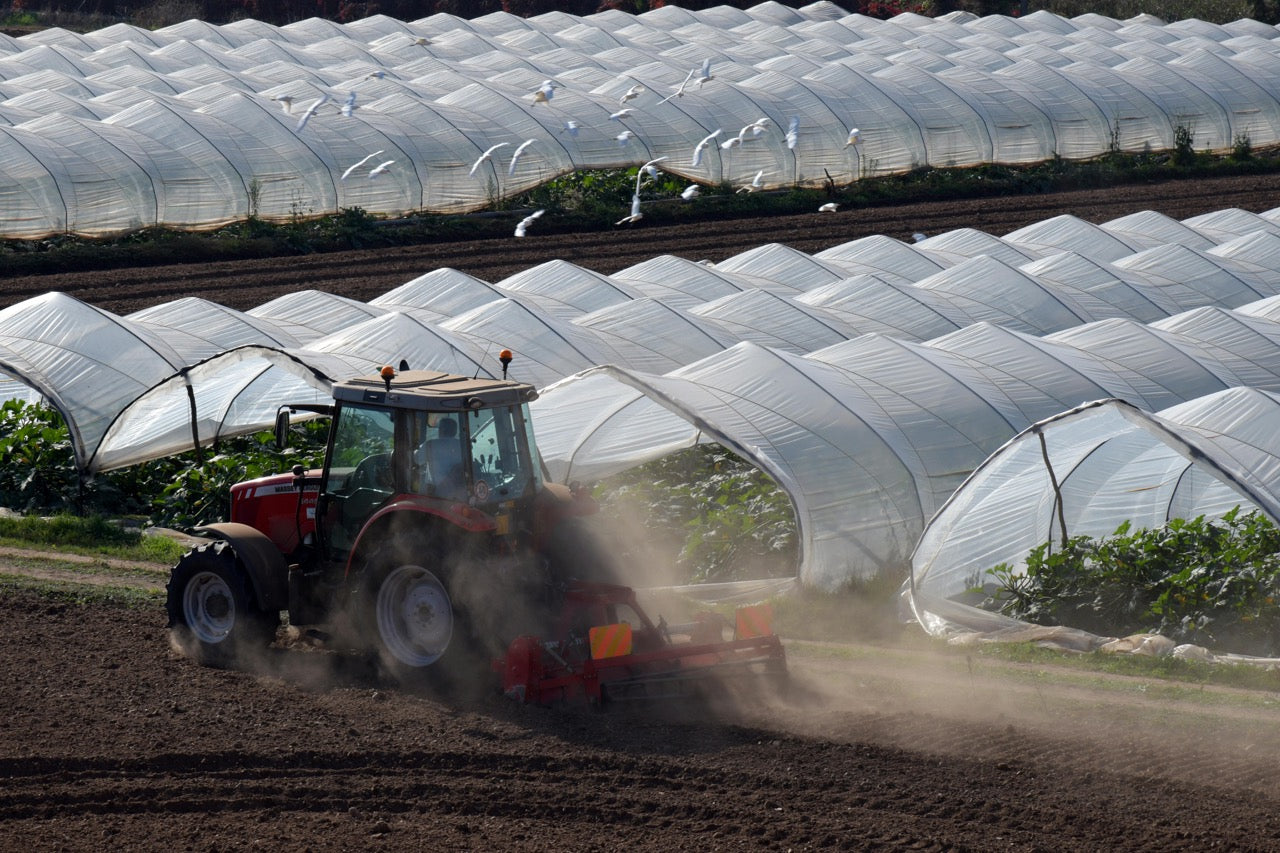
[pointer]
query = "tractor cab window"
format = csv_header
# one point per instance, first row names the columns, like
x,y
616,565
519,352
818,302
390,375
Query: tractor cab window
x,y
439,456
361,474
504,461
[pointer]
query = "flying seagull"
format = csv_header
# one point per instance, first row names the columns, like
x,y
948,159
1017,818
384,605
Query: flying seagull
x,y
756,183
633,92
311,110
705,74
679,90
635,216
515,155
379,169
690,191
286,101
702,146
624,137
793,132
349,105
829,207
855,136
522,226
544,92
620,114
364,160
485,156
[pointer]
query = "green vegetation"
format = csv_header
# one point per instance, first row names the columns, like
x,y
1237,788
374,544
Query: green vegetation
x,y
1210,583
708,513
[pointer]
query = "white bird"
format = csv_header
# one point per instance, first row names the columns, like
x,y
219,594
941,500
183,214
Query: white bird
x,y
690,191
759,126
633,92
485,156
918,237
349,105
854,137
364,160
571,127
635,216
515,155
286,101
756,183
647,169
679,90
829,207
544,92
620,114
522,226
623,137
379,169
376,75
705,74
311,110
731,142
702,146
793,132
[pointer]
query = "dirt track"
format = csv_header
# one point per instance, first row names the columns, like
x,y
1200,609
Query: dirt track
x,y
109,739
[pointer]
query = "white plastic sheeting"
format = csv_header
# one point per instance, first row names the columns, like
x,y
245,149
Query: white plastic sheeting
x,y
868,395
197,125
1113,462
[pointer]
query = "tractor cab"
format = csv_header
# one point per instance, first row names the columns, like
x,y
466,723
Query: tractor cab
x,y
429,440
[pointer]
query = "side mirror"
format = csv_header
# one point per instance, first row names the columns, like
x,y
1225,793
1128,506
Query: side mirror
x,y
282,429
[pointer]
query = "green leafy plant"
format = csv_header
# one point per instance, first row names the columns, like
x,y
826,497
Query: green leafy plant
x,y
1213,583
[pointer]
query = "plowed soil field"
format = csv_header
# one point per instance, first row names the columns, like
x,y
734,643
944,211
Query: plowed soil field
x,y
110,739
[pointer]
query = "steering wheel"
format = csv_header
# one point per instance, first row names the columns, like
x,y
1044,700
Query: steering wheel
x,y
373,472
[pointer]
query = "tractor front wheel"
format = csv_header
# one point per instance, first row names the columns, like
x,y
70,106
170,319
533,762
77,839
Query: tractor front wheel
x,y
212,614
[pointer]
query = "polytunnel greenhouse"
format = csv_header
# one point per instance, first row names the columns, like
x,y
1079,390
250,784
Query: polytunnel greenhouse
x,y
196,126
1077,474
868,379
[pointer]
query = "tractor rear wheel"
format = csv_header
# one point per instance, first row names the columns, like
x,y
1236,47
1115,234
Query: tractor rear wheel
x,y
212,614
413,618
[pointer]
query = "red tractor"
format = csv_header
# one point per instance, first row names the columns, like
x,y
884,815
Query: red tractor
x,y
431,534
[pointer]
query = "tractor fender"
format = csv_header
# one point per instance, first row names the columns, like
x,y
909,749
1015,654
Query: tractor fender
x,y
263,563
459,515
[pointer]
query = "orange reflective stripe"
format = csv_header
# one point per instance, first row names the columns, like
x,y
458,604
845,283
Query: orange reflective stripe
x,y
610,641
755,621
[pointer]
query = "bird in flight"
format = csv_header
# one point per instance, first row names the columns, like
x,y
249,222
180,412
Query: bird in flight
x,y
349,105
705,74
311,110
379,169
679,90
635,216
793,132
756,183
376,75
919,237
543,93
485,156
758,126
855,136
624,137
286,101
690,191
422,40
515,155
702,146
571,127
829,207
620,114
630,94
731,142
363,160
522,227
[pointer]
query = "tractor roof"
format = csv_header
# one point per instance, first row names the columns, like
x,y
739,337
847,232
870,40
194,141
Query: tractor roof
x,y
433,391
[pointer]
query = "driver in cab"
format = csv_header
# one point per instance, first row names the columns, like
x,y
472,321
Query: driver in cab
x,y
440,461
